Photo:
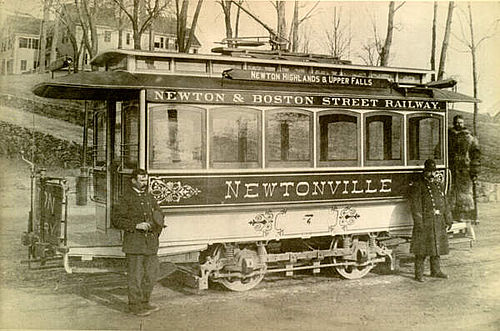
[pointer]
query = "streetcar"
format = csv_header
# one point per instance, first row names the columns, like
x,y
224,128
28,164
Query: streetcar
x,y
263,161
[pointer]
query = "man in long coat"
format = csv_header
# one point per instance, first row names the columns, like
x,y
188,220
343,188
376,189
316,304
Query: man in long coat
x,y
142,221
431,217
464,161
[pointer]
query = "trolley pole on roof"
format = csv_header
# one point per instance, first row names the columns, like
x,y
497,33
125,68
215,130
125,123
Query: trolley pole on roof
x,y
276,40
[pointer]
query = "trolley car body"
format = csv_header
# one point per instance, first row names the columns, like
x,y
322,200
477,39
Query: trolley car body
x,y
261,164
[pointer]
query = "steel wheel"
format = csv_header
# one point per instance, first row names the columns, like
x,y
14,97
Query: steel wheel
x,y
349,271
243,282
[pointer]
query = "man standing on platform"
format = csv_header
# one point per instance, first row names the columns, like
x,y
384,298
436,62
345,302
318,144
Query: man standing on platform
x,y
142,221
464,161
431,217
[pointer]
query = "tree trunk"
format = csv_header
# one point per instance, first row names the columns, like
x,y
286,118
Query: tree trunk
x,y
226,7
237,23
151,38
135,26
280,10
120,27
76,52
193,25
474,69
55,38
433,46
95,40
295,27
446,40
181,25
137,39
384,55
43,37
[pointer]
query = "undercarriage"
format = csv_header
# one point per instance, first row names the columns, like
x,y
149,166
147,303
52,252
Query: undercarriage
x,y
241,266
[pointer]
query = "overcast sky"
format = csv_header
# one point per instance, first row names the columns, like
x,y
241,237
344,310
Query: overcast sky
x,y
411,41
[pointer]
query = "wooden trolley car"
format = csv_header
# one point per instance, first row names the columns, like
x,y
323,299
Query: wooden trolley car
x,y
263,161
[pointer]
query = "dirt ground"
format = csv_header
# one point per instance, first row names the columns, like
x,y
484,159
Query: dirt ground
x,y
51,299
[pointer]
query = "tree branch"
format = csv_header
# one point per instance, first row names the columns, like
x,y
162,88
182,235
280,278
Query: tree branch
x,y
401,5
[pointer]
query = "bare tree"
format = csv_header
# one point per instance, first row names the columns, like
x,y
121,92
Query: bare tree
x,y
43,36
293,36
55,38
279,5
376,51
181,10
119,23
372,48
468,39
86,15
141,15
446,40
237,23
338,39
386,49
68,20
433,40
226,8
304,39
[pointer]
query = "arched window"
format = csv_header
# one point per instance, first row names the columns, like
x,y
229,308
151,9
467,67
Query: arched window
x,y
425,138
288,138
177,137
383,139
339,139
235,137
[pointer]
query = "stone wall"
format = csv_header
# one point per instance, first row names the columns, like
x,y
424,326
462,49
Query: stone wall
x,y
48,150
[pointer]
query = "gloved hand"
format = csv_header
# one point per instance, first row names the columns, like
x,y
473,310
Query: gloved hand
x,y
143,226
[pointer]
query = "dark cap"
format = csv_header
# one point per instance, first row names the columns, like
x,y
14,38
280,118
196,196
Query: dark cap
x,y
456,118
429,165
137,172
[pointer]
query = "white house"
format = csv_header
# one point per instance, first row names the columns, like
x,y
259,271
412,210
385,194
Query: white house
x,y
19,44
164,36
20,39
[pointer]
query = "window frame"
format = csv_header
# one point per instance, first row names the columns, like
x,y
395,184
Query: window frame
x,y
24,65
339,163
107,36
441,118
289,164
227,164
203,112
391,162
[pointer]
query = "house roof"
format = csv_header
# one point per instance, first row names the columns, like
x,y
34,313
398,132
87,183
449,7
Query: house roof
x,y
23,24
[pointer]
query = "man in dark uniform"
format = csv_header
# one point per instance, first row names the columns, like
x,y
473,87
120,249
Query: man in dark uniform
x,y
142,221
431,217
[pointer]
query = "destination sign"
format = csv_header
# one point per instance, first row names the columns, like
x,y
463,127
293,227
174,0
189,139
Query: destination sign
x,y
229,97
51,211
294,77
229,190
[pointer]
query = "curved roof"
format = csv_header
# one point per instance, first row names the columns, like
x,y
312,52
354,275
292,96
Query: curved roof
x,y
96,85
101,85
